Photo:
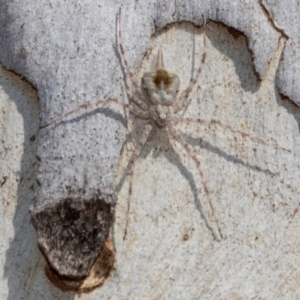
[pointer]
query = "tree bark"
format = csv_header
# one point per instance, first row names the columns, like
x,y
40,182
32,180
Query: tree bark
x,y
78,165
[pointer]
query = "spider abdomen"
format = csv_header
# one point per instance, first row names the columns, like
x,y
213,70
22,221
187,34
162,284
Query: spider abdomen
x,y
161,86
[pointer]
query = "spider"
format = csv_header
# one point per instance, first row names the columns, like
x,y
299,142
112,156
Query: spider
x,y
159,102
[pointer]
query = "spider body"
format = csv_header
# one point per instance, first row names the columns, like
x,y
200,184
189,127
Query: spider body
x,y
159,107
161,88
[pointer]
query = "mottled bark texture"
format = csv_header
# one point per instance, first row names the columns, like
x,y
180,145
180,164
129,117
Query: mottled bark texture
x,y
67,52
72,232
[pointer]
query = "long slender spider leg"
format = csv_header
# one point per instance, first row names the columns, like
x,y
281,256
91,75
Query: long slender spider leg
x,y
188,102
176,135
134,110
182,101
136,100
137,151
218,123
126,113
123,58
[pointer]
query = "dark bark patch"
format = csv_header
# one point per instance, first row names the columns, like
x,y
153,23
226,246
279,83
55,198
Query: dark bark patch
x,y
72,232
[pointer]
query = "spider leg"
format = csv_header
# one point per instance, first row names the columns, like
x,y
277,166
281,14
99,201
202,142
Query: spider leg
x,y
136,100
176,135
182,101
225,126
124,60
134,110
136,153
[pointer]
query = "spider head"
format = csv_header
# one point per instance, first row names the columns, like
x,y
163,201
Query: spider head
x,y
161,86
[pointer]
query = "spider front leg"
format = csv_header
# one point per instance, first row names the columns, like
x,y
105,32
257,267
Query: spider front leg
x,y
136,153
136,100
183,101
125,64
176,135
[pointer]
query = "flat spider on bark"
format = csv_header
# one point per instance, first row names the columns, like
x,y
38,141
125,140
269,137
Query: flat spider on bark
x,y
160,105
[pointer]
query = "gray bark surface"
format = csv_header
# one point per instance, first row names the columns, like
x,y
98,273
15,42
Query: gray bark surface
x,y
68,53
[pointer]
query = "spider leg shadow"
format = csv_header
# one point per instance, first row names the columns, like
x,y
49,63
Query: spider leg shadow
x,y
174,158
135,134
108,112
230,158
